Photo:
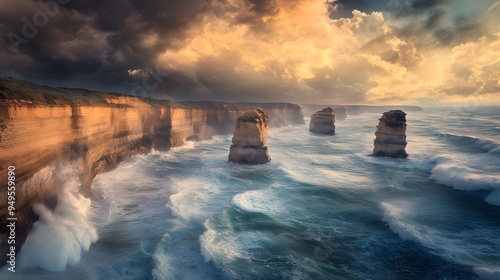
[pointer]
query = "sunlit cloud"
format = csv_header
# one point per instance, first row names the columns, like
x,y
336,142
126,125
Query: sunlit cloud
x,y
290,50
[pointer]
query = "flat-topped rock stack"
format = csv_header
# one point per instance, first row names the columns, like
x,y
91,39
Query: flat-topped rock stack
x,y
323,122
390,138
250,137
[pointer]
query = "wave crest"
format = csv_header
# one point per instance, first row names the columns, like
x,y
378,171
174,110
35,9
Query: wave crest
x,y
60,236
484,145
455,173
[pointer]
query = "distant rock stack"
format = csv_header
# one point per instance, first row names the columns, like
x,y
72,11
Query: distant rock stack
x,y
390,138
250,137
340,113
323,122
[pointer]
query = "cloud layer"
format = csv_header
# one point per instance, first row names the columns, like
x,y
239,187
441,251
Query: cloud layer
x,y
414,51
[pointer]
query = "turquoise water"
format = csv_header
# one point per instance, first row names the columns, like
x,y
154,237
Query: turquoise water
x,y
322,209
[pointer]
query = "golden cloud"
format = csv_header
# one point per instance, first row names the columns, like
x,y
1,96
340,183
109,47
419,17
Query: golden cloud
x,y
297,50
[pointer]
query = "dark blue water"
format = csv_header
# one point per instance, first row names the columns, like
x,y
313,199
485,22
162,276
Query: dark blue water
x,y
322,209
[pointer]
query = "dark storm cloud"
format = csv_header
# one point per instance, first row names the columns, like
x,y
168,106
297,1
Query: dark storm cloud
x,y
116,45
464,29
258,9
428,22
415,8
93,41
218,79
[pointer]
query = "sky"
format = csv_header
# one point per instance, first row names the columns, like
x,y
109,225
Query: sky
x,y
420,52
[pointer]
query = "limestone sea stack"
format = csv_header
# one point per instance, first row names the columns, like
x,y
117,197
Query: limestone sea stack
x,y
323,122
250,137
390,138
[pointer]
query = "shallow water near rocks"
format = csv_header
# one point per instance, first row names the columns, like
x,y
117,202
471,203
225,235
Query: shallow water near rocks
x,y
321,209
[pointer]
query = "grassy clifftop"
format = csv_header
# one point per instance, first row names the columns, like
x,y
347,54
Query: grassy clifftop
x,y
13,91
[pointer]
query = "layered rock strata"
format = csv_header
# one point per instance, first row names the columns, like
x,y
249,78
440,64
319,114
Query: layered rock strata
x,y
41,127
250,137
390,138
323,122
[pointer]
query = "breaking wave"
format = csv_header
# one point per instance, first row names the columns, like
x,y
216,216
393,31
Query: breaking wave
x,y
61,235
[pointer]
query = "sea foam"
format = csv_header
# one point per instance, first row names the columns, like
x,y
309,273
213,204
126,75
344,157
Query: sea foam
x,y
60,236
487,273
393,216
264,201
485,145
455,173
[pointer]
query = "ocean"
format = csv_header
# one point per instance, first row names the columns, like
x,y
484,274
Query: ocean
x,y
323,208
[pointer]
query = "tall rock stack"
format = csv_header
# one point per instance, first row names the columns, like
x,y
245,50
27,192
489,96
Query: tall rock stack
x,y
250,137
390,138
323,122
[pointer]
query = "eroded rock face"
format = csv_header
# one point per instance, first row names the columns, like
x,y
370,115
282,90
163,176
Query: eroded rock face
x,y
390,138
323,122
250,137
43,127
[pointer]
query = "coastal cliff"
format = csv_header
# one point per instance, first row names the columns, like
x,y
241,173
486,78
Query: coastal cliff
x,y
41,127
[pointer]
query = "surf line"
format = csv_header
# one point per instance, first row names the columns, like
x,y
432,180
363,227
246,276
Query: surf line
x,y
12,219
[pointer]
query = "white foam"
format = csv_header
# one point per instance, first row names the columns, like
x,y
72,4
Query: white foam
x,y
457,174
493,198
163,269
213,247
319,174
463,178
471,247
220,246
192,194
264,201
188,145
487,273
393,216
60,236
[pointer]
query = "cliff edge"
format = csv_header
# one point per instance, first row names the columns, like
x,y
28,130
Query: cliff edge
x,y
41,127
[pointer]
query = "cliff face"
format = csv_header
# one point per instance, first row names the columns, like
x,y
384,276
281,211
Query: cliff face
x,y
41,127
93,138
250,137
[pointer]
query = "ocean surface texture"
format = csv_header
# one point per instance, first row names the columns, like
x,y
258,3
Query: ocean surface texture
x,y
323,208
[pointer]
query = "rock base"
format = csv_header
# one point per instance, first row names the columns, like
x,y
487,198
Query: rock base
x,y
389,150
249,155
